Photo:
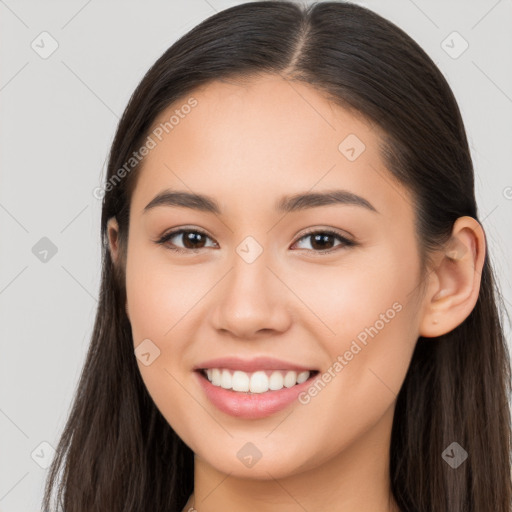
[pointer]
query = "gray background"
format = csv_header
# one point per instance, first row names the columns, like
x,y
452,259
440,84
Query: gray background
x,y
58,117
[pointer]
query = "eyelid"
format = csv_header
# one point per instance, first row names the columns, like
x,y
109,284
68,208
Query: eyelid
x,y
324,229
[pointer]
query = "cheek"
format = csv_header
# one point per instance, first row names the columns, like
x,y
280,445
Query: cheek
x,y
159,294
363,379
362,289
372,333
159,300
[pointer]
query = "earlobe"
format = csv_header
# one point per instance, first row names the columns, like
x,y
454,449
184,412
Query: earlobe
x,y
113,238
455,282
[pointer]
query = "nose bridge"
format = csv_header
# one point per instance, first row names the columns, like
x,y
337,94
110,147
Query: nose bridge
x,y
248,287
250,273
249,299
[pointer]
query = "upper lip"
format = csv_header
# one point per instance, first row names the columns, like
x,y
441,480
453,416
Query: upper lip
x,y
251,365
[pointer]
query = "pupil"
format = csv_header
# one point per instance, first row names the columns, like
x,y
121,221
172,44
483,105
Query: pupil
x,y
322,240
189,238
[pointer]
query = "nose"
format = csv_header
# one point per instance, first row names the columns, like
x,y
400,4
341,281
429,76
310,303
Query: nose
x,y
251,302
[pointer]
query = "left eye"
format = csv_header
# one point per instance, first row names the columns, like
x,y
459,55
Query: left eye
x,y
324,239
321,241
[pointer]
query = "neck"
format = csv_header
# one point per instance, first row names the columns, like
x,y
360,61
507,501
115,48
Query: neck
x,y
356,478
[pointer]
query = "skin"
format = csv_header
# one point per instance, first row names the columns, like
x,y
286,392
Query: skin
x,y
247,145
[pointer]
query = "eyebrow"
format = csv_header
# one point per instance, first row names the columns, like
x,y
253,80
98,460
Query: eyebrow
x,y
286,204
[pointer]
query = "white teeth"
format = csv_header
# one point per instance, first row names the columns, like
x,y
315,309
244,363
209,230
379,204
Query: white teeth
x,y
276,381
216,376
290,379
240,381
257,382
302,377
225,380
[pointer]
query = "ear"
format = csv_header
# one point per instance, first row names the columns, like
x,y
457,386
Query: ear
x,y
454,284
113,238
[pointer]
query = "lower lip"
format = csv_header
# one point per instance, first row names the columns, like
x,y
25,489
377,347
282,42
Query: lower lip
x,y
251,406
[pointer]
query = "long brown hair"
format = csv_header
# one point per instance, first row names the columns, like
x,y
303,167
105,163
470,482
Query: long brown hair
x,y
118,453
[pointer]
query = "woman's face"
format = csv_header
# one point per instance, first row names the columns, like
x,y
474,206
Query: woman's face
x,y
255,283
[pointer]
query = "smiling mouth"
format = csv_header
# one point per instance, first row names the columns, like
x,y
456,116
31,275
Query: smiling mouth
x,y
260,381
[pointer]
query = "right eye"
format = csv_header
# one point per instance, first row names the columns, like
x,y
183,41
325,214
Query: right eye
x,y
189,237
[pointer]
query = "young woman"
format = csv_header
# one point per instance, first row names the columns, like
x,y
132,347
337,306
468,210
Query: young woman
x,y
297,308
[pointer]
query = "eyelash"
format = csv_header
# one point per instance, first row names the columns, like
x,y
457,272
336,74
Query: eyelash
x,y
345,241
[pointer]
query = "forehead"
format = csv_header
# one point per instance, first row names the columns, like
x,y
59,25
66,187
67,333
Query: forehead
x,y
264,117
265,138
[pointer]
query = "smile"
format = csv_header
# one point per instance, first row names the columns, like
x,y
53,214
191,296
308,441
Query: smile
x,y
220,388
259,381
